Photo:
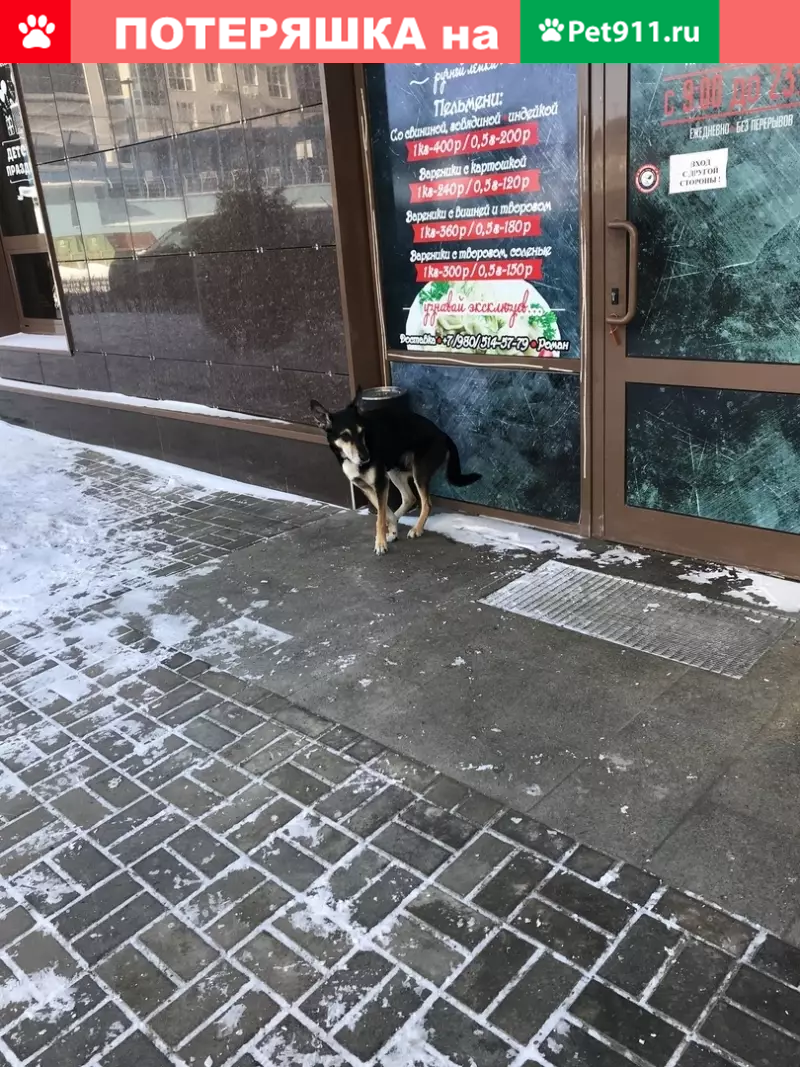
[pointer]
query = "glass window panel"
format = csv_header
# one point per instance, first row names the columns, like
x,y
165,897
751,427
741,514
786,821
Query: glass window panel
x,y
35,285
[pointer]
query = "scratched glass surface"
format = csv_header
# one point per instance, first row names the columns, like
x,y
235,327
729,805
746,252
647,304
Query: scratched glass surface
x,y
519,430
719,274
724,454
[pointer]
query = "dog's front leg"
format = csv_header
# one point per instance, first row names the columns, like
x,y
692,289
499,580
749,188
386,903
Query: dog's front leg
x,y
381,522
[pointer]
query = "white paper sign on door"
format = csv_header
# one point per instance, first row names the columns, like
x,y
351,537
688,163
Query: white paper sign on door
x,y
694,172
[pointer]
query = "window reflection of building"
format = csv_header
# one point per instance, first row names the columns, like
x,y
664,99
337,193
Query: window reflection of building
x,y
277,80
180,76
186,113
132,193
37,87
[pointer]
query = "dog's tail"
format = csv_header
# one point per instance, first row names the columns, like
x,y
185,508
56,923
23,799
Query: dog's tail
x,y
455,475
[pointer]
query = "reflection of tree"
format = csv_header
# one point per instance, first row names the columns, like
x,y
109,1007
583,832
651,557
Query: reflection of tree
x,y
243,219
243,297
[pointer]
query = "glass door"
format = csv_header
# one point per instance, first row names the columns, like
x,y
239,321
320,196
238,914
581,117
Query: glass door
x,y
700,215
22,229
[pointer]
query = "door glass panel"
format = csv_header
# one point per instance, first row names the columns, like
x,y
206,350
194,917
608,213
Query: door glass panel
x,y
35,285
726,454
714,191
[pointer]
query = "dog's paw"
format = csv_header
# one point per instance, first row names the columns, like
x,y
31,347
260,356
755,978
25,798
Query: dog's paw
x,y
391,534
381,550
414,532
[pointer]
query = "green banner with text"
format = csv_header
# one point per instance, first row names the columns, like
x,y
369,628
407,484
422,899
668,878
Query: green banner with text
x,y
620,31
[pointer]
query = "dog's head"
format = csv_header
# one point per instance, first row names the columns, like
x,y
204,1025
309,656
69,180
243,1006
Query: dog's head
x,y
345,430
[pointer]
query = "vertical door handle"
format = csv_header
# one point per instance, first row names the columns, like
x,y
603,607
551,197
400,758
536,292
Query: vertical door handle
x,y
633,264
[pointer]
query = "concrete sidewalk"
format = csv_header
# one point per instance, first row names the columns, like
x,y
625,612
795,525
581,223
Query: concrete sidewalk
x,y
264,799
695,775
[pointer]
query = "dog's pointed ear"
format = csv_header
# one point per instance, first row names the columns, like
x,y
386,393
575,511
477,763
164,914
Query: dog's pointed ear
x,y
322,416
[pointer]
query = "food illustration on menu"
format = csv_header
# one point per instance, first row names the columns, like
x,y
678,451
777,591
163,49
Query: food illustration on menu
x,y
482,162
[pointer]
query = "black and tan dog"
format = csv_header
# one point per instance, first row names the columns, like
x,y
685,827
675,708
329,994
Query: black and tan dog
x,y
387,445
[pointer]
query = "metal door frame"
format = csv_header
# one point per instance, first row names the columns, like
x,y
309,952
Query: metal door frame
x,y
611,370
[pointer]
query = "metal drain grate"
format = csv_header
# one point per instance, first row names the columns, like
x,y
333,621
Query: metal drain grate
x,y
677,626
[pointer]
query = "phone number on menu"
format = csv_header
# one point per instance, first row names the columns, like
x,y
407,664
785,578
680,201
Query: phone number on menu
x,y
505,342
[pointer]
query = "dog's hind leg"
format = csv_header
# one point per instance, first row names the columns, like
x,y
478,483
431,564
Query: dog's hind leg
x,y
422,484
402,479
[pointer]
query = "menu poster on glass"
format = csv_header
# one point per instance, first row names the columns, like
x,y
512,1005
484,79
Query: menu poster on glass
x,y
476,187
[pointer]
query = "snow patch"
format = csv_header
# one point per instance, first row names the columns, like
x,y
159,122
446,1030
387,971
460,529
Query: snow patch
x,y
47,994
766,591
500,535
43,884
705,575
620,556
410,1046
229,1020
303,829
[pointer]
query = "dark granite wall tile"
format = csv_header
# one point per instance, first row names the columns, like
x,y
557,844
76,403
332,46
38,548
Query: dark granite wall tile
x,y
17,408
183,379
242,388
92,424
80,102
312,471
266,89
249,305
131,375
151,180
278,394
98,191
294,389
92,371
719,454
231,294
52,416
250,457
292,466
519,429
135,431
20,364
58,368
202,95
192,443
220,204
170,299
138,102
40,110
293,200
119,305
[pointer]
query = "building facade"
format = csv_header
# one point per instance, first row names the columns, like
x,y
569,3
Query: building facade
x,y
587,275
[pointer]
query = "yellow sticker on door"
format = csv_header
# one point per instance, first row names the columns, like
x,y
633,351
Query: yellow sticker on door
x,y
694,172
